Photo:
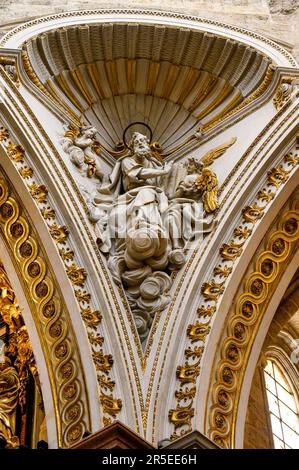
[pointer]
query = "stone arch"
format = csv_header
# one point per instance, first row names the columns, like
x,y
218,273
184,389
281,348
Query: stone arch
x,y
47,317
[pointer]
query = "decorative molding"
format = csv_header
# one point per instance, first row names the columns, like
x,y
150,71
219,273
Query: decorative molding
x,y
145,13
249,307
213,289
51,319
77,276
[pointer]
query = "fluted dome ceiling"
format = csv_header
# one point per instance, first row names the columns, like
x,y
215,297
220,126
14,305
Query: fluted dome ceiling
x,y
176,80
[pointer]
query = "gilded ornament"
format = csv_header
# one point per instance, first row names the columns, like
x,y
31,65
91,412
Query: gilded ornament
x,y
6,210
76,275
222,271
198,332
247,308
67,370
230,377
181,416
186,394
103,362
105,382
231,251
17,230
291,226
70,391
206,311
252,213
283,95
4,134
59,233
91,318
82,296
15,152
111,406
278,246
212,290
66,254
95,338
39,192
257,287
232,353
26,172
267,267
265,195
49,309
26,249
227,375
61,350
277,176
41,290
33,269
239,331
56,329
188,373
194,352
48,213
242,232
223,398
219,421
292,159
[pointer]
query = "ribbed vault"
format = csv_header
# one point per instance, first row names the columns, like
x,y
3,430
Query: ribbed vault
x,y
176,80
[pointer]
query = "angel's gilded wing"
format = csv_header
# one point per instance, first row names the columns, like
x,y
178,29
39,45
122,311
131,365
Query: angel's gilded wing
x,y
207,183
211,155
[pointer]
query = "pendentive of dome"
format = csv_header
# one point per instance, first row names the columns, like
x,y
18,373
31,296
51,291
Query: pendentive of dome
x,y
179,81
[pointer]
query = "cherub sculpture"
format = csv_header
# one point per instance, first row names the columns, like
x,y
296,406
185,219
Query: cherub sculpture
x,y
83,149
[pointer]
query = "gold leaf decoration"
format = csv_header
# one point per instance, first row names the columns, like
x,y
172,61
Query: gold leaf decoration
x,y
252,213
48,213
76,274
103,362
91,318
231,251
59,233
242,232
212,290
198,332
181,416
111,406
206,311
15,152
39,192
26,172
265,195
277,176
222,271
4,134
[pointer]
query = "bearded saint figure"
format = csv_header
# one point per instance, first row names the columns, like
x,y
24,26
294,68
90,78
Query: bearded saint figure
x,y
146,212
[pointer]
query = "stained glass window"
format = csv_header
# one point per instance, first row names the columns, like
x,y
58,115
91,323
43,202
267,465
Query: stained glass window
x,y
282,408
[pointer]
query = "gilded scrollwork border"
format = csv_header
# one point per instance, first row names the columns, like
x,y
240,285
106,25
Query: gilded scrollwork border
x,y
51,320
187,374
248,310
111,406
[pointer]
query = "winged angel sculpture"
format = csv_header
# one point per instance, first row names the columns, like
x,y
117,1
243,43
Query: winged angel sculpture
x,y
147,214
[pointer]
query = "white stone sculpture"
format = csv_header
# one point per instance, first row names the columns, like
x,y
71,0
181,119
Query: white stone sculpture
x,y
147,214
83,149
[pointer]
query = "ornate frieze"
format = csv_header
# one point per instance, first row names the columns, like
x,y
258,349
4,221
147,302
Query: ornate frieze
x,y
50,318
214,289
76,274
248,309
